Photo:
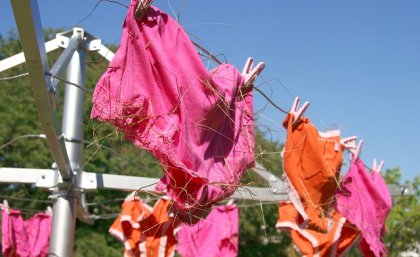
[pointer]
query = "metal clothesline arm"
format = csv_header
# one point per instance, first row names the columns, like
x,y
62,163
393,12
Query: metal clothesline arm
x,y
90,181
106,52
31,37
19,58
64,59
275,183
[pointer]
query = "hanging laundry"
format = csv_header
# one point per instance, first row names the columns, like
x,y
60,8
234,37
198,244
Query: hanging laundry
x,y
312,243
381,214
215,236
311,163
29,238
198,124
38,229
146,231
126,227
365,201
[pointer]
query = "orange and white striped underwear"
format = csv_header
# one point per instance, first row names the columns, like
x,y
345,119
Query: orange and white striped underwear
x,y
311,243
146,231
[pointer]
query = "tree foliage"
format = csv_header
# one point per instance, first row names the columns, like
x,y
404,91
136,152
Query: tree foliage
x,y
404,219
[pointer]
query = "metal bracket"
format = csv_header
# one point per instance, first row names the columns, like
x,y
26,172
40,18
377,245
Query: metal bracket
x,y
89,42
42,178
401,190
276,185
49,179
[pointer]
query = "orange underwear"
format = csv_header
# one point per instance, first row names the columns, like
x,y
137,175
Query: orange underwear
x,y
339,239
311,163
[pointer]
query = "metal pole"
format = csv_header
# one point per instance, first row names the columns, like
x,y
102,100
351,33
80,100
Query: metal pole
x,y
65,206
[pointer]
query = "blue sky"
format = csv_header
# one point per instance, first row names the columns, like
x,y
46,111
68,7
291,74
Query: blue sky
x,y
356,62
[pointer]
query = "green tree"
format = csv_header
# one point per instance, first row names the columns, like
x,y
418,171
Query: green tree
x,y
404,219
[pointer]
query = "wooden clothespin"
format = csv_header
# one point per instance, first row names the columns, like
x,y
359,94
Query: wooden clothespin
x,y
298,112
142,8
375,166
251,73
356,151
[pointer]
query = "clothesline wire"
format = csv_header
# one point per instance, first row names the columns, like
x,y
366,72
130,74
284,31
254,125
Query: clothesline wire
x,y
42,136
96,6
28,211
91,92
270,101
90,13
22,137
25,199
288,91
68,82
15,76
113,215
100,145
105,147
214,58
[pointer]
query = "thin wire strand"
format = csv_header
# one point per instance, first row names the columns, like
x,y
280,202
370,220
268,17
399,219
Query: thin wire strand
x,y
25,199
68,82
22,137
15,77
270,101
213,57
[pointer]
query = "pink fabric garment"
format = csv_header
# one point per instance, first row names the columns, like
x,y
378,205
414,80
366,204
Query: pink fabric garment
x,y
215,236
14,240
28,238
381,214
365,201
38,229
196,123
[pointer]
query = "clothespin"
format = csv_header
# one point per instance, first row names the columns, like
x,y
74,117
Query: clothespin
x,y
131,196
5,206
230,202
356,151
142,8
298,112
349,142
48,210
375,166
250,73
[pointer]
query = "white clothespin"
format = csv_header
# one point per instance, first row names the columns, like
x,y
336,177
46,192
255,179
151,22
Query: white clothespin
x,y
298,112
5,206
349,142
230,202
250,73
375,166
131,197
356,151
48,210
